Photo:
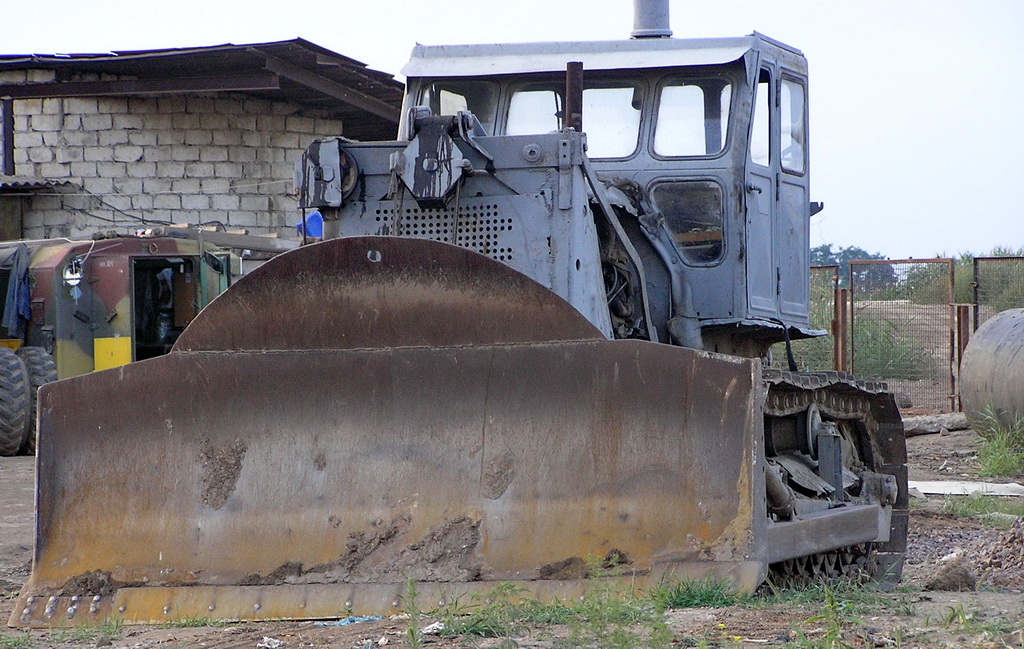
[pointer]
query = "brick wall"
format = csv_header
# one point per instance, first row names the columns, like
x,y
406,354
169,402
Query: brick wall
x,y
142,162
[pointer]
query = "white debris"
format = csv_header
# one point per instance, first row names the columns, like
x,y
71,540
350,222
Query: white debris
x,y
269,643
967,488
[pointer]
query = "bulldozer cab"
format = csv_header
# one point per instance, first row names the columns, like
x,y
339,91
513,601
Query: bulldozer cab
x,y
710,134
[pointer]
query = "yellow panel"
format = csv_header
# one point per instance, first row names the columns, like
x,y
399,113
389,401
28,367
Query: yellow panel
x,y
71,359
112,352
12,343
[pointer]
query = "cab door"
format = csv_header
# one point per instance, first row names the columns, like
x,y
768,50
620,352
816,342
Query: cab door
x,y
761,204
792,220
777,199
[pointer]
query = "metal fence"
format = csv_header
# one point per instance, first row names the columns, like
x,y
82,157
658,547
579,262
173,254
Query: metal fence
x,y
815,353
898,322
902,329
998,285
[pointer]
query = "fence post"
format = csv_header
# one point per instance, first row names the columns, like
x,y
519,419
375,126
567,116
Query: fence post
x,y
963,336
840,329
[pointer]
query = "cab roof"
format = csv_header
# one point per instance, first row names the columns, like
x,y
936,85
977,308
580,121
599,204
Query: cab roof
x,y
519,58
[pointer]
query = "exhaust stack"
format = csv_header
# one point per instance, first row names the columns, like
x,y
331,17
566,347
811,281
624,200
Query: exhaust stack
x,y
651,19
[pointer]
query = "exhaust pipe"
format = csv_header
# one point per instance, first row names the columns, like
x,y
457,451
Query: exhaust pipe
x,y
650,19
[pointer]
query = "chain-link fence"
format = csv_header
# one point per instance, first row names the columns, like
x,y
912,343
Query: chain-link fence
x,y
902,329
898,322
998,285
815,353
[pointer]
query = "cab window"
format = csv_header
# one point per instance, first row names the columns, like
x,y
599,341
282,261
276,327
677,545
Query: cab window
x,y
793,129
693,117
760,130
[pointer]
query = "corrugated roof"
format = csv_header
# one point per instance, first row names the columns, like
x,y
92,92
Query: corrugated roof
x,y
294,70
28,182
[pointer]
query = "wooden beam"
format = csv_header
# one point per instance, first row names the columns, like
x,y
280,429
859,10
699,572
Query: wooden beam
x,y
260,81
7,137
331,88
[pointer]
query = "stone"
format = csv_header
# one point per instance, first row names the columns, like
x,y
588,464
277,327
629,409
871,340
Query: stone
x,y
46,122
113,138
928,424
98,122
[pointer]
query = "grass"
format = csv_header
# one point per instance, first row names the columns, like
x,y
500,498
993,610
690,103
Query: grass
x,y
1001,450
979,505
836,616
882,351
617,619
700,593
195,621
850,595
110,628
15,641
603,617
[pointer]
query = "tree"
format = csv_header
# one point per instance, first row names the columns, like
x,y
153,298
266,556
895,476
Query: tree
x,y
873,277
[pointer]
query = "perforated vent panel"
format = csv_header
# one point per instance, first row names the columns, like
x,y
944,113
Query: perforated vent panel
x,y
480,227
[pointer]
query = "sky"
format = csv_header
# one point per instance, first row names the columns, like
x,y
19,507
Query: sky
x,y
917,140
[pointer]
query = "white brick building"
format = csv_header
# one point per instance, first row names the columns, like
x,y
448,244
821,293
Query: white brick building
x,y
201,136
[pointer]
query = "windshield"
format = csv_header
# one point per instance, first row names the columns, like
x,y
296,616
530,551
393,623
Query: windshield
x,y
449,96
691,115
611,116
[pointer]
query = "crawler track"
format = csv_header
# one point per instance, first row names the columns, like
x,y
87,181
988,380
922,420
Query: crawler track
x,y
867,414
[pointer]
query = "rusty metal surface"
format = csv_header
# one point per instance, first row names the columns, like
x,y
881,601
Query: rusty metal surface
x,y
370,292
992,371
377,465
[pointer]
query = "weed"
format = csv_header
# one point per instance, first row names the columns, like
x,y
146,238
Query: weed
x,y
603,617
15,641
505,611
607,618
413,639
1001,451
957,616
700,593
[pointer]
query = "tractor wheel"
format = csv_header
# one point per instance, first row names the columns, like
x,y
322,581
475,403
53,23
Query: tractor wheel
x,y
41,369
14,402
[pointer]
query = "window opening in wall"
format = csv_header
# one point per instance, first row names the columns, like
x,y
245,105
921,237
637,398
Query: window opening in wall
x,y
166,300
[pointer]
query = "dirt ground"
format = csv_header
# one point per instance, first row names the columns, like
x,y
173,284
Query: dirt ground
x,y
992,617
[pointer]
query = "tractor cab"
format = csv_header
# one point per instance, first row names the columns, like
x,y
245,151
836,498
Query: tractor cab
x,y
710,135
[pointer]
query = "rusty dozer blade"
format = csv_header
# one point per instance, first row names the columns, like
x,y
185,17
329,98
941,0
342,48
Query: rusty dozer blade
x,y
366,411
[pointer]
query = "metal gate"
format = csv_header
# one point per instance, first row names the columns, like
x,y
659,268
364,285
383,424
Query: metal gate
x,y
902,329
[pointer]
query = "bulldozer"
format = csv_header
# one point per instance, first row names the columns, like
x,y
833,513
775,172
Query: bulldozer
x,y
531,348
74,307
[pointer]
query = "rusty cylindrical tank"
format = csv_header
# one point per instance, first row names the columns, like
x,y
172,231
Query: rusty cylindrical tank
x,y
992,372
